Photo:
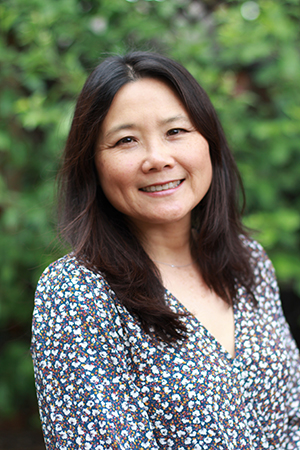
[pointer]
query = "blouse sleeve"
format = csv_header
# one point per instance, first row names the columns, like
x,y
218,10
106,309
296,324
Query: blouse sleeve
x,y
292,438
292,432
86,397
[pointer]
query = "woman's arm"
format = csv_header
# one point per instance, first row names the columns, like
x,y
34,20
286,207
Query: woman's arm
x,y
291,439
292,436
86,397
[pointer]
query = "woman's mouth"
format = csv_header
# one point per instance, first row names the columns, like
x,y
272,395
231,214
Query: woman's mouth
x,y
162,187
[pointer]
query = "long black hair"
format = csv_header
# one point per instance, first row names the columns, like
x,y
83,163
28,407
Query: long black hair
x,y
99,234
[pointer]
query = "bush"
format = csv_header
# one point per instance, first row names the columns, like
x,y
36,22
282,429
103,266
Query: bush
x,y
245,54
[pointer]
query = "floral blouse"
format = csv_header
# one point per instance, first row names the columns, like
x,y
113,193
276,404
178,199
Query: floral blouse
x,y
103,383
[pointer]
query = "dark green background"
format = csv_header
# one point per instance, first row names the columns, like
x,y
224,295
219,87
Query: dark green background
x,y
251,70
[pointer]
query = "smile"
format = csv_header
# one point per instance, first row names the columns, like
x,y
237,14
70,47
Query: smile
x,y
162,187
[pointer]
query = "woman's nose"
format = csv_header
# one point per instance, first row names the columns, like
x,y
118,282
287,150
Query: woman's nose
x,y
157,157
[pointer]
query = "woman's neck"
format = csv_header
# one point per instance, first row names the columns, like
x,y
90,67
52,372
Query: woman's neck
x,y
169,244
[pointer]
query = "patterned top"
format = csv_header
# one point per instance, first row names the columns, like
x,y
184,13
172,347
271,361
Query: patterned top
x,y
103,383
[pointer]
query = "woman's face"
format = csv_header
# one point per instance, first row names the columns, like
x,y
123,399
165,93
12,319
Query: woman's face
x,y
153,165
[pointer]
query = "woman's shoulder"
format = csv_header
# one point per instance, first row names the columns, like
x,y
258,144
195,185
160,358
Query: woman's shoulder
x,y
257,254
73,306
68,269
67,281
254,247
266,289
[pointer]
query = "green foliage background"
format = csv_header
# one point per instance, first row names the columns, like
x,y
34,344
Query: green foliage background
x,y
249,66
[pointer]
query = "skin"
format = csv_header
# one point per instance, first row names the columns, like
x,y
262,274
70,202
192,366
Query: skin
x,y
155,167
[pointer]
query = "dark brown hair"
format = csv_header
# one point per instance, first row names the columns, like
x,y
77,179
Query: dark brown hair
x,y
99,234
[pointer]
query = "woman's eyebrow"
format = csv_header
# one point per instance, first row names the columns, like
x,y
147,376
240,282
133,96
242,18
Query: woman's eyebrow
x,y
127,126
174,119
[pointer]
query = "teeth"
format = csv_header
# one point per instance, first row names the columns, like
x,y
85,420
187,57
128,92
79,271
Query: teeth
x,y
161,187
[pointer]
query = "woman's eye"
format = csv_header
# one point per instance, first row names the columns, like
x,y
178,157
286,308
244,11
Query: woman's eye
x,y
175,131
125,140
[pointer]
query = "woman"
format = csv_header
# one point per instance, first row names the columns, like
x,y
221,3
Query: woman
x,y
163,328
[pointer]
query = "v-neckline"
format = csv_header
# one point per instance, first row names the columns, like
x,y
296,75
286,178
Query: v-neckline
x,y
209,335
